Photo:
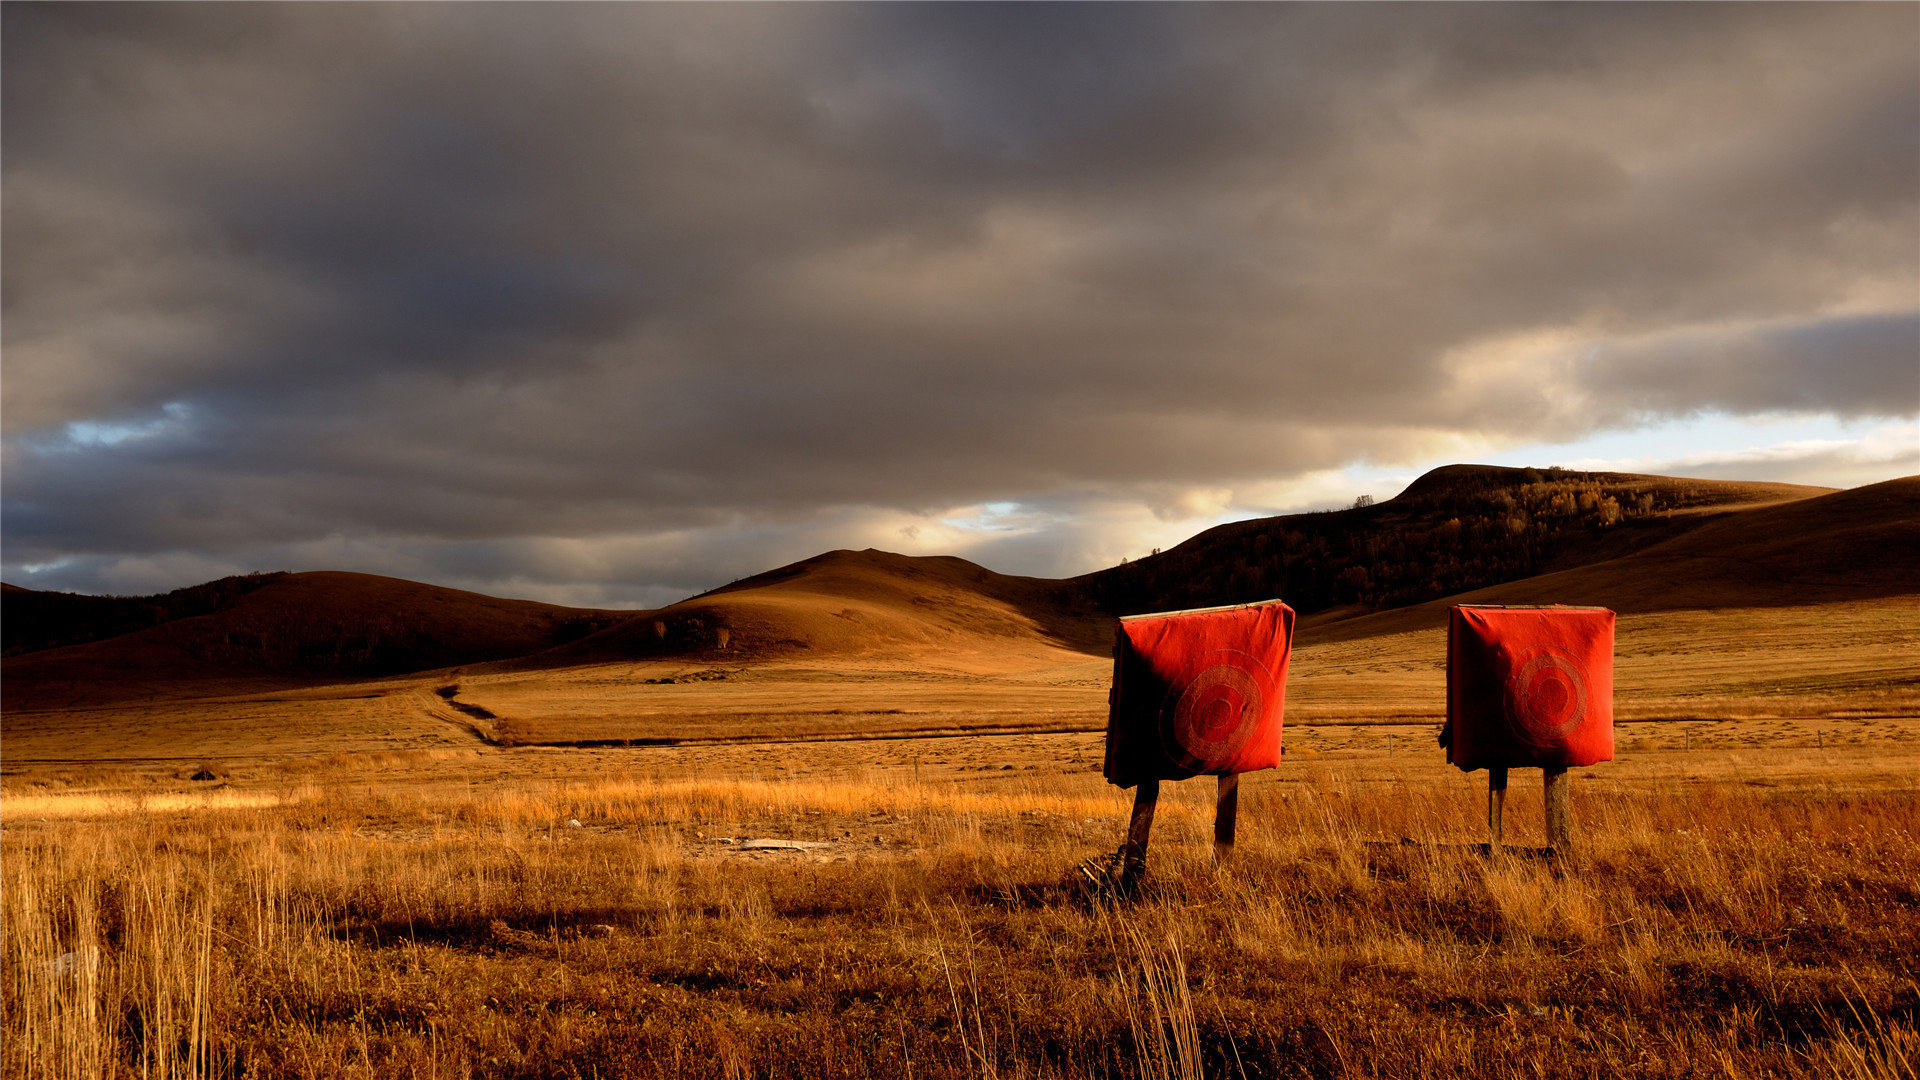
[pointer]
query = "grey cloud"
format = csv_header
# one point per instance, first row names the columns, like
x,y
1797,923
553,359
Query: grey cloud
x,y
1855,366
435,275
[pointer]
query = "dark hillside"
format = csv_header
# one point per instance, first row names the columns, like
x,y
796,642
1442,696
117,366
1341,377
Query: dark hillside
x,y
290,629
1455,529
31,620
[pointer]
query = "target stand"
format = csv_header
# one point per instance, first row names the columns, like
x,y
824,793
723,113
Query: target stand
x,y
1195,693
1559,800
1529,687
1146,798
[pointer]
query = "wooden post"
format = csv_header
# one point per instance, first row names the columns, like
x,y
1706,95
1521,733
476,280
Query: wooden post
x,y
1134,862
1496,802
1226,809
1559,810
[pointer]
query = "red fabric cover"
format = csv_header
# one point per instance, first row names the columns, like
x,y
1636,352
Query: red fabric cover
x,y
1198,692
1529,687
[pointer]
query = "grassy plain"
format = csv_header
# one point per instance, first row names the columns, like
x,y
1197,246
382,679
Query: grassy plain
x,y
1734,910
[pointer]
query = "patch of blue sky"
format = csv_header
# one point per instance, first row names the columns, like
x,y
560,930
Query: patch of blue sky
x,y
993,517
109,433
38,568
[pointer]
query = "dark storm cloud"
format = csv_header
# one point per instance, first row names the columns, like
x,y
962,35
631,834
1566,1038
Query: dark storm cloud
x,y
461,283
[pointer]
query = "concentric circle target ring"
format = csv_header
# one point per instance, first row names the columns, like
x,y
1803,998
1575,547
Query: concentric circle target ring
x,y
1547,697
1211,715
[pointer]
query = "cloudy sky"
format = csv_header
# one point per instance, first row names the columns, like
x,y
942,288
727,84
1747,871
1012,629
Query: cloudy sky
x,y
609,304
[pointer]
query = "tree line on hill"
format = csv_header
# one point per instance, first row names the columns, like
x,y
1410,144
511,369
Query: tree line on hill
x,y
48,620
1472,531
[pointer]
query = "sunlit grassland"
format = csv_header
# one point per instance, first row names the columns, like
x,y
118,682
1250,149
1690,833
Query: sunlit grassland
x,y
1738,914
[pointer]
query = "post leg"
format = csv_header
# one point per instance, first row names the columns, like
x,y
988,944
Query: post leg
x,y
1496,803
1559,810
1226,810
1134,862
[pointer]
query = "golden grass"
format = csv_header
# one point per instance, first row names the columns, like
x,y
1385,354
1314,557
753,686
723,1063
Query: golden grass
x,y
1709,925
101,804
351,718
370,889
788,700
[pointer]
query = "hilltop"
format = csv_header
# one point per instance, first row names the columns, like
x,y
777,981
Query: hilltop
x,y
856,603
1455,529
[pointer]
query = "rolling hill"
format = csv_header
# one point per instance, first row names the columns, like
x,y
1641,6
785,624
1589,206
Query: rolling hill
x,y
1464,532
45,620
1737,600
855,603
279,630
1858,544
1808,608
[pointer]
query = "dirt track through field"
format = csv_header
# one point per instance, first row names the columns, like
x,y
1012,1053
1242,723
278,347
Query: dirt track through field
x,y
442,707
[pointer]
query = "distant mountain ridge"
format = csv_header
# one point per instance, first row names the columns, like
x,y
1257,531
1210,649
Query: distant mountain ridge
x,y
1512,535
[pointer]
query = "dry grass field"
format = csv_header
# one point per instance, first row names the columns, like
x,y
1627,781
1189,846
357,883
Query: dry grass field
x,y
370,887
841,838
1732,911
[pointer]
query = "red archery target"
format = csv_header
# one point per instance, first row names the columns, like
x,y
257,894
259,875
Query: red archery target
x,y
1206,720
1198,692
1529,686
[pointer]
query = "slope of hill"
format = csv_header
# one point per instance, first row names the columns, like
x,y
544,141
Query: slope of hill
x,y
1858,544
1455,529
287,630
856,603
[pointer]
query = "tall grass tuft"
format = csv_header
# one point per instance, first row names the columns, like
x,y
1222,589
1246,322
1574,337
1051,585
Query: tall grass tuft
x,y
109,968
1157,1001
